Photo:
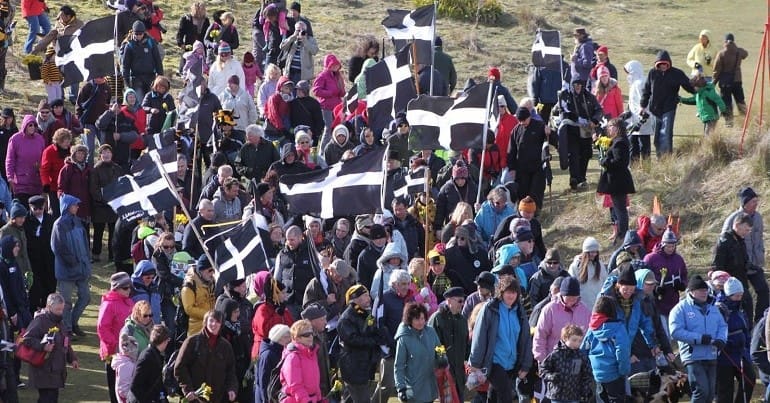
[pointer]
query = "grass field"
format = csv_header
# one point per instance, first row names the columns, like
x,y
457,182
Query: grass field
x,y
699,182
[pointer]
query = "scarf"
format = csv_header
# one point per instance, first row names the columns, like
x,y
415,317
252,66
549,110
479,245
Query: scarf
x,y
597,320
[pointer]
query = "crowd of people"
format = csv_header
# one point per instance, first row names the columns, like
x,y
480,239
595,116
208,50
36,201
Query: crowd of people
x,y
440,295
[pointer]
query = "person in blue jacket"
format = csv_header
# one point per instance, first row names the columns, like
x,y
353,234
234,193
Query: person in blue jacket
x,y
609,351
72,261
501,346
145,283
735,360
701,331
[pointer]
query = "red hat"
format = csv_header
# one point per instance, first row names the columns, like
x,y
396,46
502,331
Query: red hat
x,y
495,72
603,49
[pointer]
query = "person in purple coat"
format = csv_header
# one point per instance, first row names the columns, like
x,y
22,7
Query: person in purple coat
x,y
670,272
22,162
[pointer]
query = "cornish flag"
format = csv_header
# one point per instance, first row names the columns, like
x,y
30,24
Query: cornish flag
x,y
242,252
145,192
413,183
117,5
403,26
162,147
88,53
351,100
449,123
389,88
346,188
546,51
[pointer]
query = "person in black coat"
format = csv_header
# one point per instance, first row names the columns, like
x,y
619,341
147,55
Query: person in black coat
x,y
525,161
465,259
367,260
580,114
121,244
147,385
190,31
38,227
305,110
460,188
616,179
440,86
289,164
731,256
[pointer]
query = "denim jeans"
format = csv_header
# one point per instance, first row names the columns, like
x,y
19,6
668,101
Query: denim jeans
x,y
326,136
620,211
66,288
702,376
37,23
664,133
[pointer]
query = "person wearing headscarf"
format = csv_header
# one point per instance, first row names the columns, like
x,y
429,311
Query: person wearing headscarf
x,y
270,313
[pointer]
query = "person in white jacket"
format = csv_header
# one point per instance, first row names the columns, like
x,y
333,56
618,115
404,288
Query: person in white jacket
x,y
235,98
224,67
640,138
589,270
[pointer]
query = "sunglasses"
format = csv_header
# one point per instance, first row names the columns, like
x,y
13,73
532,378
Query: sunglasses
x,y
167,247
148,315
552,263
306,335
45,112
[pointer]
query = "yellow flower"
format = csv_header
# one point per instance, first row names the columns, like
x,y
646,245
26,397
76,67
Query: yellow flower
x,y
165,106
337,387
31,59
214,33
370,320
180,219
53,329
440,349
204,392
604,142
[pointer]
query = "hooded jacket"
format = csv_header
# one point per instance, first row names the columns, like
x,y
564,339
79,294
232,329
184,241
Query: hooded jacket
x,y
415,362
488,219
707,102
553,318
23,158
638,319
12,282
636,79
466,264
609,349
69,242
197,298
329,86
381,279
702,55
689,322
675,280
630,239
504,255
300,375
639,347
113,311
661,90
284,168
277,109
219,75
334,150
149,293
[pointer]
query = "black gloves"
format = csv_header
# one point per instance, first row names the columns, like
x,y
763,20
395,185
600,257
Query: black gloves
x,y
705,339
402,395
719,344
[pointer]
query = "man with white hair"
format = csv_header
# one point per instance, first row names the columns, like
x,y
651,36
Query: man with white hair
x,y
211,188
299,48
256,156
190,242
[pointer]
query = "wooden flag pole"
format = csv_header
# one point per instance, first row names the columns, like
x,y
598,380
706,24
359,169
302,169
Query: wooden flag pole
x,y
414,66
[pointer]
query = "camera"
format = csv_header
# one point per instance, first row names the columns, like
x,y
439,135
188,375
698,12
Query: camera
x,y
302,33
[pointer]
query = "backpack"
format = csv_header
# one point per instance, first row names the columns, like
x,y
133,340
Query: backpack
x,y
137,251
274,392
169,380
181,319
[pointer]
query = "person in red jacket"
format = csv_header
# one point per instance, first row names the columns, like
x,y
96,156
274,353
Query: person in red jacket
x,y
270,313
608,94
132,109
651,231
506,123
73,180
51,163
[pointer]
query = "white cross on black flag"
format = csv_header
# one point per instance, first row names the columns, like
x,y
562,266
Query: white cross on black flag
x,y
389,88
403,26
242,252
88,53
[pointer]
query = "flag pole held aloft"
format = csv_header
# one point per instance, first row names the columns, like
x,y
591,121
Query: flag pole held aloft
x,y
484,143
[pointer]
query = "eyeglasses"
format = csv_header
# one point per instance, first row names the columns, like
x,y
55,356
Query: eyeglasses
x,y
552,263
45,112
168,247
147,315
306,335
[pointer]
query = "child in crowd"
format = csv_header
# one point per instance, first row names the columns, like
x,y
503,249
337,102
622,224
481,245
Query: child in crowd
x,y
251,72
566,370
707,102
51,75
609,350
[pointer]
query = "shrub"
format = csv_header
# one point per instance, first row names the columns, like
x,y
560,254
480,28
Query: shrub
x,y
465,10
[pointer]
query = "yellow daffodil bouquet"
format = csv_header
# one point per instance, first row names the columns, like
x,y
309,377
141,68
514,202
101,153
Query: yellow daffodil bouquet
x,y
441,359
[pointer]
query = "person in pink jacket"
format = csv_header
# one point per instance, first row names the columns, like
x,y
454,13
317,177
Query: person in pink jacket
x,y
22,161
566,309
329,89
300,376
115,308
608,94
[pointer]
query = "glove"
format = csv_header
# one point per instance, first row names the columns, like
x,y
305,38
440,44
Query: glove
x,y
719,344
705,339
46,188
402,395
583,121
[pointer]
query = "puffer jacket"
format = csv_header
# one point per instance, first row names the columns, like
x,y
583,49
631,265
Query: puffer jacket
x,y
689,322
360,341
329,86
675,280
415,362
197,297
488,219
113,311
708,103
567,373
300,375
69,241
149,293
553,318
22,161
381,280
608,348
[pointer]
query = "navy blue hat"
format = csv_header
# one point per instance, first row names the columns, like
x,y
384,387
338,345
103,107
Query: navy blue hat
x,y
454,292
524,234
570,287
747,194
18,209
203,263
486,280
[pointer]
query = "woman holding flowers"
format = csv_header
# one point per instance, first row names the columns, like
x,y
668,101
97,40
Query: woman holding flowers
x,y
417,354
46,333
615,179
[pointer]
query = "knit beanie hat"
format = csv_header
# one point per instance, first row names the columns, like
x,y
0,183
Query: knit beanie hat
x,y
277,332
627,277
459,171
603,71
528,205
733,286
669,237
570,287
524,234
119,280
522,113
355,291
224,47
746,195
313,311
719,276
590,244
517,223
697,283
138,26
18,209
494,72
552,255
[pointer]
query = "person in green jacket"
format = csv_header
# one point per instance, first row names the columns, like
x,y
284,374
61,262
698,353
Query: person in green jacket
x,y
707,101
416,356
452,329
444,64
